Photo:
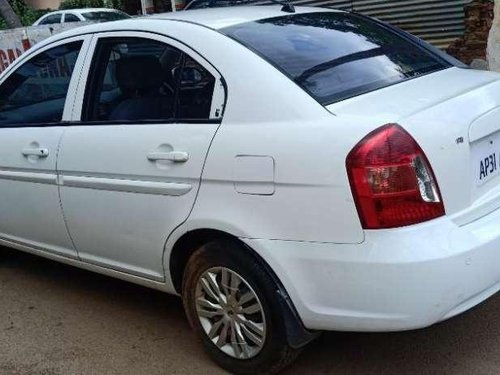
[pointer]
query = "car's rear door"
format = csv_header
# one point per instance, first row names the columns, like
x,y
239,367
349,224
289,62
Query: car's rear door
x,y
34,106
131,161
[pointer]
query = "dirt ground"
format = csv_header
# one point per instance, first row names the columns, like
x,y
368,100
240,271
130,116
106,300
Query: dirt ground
x,y
56,319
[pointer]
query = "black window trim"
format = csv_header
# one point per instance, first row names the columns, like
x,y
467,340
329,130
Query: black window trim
x,y
178,85
113,123
447,61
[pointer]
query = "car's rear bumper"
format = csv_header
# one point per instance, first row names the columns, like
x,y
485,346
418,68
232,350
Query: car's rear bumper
x,y
395,280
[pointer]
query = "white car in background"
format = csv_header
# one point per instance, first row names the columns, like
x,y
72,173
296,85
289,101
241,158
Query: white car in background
x,y
81,15
286,171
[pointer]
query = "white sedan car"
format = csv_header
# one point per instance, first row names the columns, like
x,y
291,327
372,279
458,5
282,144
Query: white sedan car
x,y
285,172
81,15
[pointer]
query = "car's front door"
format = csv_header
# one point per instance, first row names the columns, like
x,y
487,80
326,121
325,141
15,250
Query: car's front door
x,y
33,108
131,162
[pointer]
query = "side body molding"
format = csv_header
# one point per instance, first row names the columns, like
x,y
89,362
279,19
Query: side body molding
x,y
131,186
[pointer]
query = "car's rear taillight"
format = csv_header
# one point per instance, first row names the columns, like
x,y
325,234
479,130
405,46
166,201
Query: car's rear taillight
x,y
392,181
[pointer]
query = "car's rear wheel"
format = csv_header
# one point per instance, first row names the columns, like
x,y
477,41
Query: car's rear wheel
x,y
233,305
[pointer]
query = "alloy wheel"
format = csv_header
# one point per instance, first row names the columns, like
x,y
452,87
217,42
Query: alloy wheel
x,y
230,313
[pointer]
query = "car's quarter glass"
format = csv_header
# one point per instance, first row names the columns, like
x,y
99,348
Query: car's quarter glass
x,y
196,86
131,167
334,55
32,103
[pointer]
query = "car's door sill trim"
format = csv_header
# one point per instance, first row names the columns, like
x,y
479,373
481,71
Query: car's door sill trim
x,y
154,284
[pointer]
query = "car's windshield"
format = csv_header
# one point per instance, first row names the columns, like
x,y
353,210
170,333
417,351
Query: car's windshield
x,y
335,55
105,16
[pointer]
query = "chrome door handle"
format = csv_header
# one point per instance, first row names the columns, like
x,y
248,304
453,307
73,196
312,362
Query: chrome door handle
x,y
40,152
175,156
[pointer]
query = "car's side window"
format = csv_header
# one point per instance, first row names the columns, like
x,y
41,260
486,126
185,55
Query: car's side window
x,y
36,92
69,17
132,79
136,79
52,19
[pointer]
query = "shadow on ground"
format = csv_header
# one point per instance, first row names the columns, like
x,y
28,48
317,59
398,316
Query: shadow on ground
x,y
58,319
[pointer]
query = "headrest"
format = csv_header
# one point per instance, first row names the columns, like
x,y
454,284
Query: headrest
x,y
139,73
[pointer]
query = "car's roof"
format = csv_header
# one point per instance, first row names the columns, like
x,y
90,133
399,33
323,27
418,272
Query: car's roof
x,y
86,10
218,18
82,10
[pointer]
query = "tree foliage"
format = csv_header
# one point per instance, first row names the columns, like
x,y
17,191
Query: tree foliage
x,y
26,14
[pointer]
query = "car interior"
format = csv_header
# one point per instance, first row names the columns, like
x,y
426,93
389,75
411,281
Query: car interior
x,y
148,81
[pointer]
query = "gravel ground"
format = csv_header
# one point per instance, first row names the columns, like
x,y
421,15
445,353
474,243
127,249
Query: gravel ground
x,y
56,319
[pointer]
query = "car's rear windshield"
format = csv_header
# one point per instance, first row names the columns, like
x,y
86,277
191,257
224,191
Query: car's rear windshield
x,y
105,16
335,55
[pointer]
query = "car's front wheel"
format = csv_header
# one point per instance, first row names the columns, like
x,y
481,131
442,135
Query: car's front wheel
x,y
232,303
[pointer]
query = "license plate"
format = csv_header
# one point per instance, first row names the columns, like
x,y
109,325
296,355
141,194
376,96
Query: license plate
x,y
486,161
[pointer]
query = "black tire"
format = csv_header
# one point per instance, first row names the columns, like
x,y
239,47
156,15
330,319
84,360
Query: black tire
x,y
275,353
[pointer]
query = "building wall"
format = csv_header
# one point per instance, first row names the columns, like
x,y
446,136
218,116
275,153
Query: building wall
x,y
493,54
472,45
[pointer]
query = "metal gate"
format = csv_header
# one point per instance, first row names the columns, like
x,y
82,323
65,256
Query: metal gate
x,y
439,22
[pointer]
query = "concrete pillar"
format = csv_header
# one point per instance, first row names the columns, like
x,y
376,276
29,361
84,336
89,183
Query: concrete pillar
x,y
494,41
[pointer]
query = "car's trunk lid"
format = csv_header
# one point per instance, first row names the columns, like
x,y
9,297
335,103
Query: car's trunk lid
x,y
454,115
